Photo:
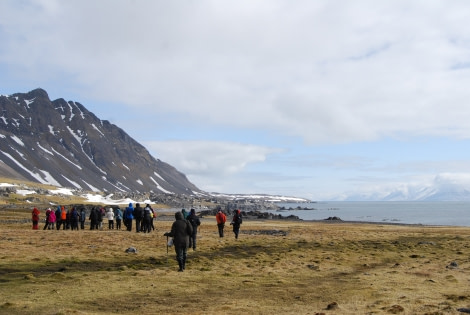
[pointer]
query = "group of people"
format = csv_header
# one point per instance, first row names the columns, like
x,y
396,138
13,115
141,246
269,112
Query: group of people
x,y
143,218
72,218
60,218
184,231
97,215
221,218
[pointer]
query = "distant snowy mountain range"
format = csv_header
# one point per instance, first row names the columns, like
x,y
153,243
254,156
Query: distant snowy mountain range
x,y
63,144
444,187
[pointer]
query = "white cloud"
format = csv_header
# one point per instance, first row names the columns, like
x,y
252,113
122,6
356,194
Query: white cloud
x,y
210,162
222,158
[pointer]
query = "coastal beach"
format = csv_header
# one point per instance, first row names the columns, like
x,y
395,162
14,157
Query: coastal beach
x,y
276,266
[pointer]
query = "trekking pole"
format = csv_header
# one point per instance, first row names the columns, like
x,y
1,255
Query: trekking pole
x,y
167,250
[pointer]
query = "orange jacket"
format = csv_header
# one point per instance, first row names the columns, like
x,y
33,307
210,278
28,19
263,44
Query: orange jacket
x,y
63,214
220,217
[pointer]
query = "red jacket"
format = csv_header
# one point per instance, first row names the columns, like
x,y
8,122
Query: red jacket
x,y
35,214
220,217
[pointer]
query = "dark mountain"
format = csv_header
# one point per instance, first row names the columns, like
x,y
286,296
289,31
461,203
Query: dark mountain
x,y
64,144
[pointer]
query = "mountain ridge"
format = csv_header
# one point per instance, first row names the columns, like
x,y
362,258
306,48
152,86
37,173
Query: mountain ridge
x,y
62,143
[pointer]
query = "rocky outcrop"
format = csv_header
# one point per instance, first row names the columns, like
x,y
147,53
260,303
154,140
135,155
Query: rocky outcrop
x,y
250,215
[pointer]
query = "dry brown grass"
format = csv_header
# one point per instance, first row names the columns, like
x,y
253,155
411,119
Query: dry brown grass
x,y
354,268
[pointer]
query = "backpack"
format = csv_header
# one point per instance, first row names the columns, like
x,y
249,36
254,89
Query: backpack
x,y
239,219
191,220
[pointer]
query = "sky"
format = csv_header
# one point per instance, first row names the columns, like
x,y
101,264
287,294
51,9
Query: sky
x,y
315,99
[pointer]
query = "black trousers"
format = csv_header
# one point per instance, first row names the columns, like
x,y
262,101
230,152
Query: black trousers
x,y
221,226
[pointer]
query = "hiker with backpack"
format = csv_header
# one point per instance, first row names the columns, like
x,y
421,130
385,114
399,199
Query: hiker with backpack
x,y
63,217
181,230
110,217
82,218
94,219
49,223
128,216
148,217
236,222
118,217
195,222
139,217
221,218
74,215
58,218
35,218
51,219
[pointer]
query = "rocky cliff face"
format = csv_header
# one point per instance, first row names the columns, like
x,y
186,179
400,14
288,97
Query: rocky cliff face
x,y
62,143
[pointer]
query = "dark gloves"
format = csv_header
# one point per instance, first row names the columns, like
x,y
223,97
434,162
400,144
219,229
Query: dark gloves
x,y
166,234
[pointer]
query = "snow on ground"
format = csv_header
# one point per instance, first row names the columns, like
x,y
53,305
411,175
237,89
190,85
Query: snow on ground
x,y
7,185
95,198
106,200
25,192
63,191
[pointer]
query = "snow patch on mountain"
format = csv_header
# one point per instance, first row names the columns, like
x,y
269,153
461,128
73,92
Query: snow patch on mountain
x,y
44,149
158,175
17,140
97,129
74,164
28,102
92,188
160,187
75,184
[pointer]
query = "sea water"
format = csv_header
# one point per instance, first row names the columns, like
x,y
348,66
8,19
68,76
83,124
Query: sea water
x,y
415,212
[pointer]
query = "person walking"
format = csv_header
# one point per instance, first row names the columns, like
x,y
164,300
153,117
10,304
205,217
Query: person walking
x,y
221,218
93,218
118,217
82,218
101,213
128,216
48,224
147,223
236,222
51,220
35,217
58,218
110,217
63,217
154,217
195,222
185,213
138,216
74,215
181,230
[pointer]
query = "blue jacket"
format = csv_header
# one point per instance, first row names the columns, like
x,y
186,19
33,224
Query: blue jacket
x,y
129,212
